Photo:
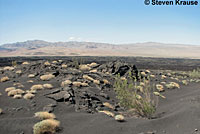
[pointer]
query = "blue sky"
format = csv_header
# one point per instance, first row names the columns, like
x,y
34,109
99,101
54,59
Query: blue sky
x,y
112,21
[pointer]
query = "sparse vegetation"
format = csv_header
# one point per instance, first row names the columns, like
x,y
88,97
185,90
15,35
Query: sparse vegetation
x,y
4,79
47,77
31,75
195,73
66,82
8,68
107,113
47,86
119,118
84,67
29,96
106,104
48,126
37,87
44,115
9,89
143,103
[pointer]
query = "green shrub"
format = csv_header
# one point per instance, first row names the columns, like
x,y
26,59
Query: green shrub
x,y
142,102
195,73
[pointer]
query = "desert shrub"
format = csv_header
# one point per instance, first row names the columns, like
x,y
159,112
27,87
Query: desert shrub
x,y
96,82
93,64
47,77
12,93
18,96
47,63
106,81
14,63
66,82
93,71
37,87
18,72
84,67
47,86
88,77
64,66
172,85
185,82
4,79
106,104
9,89
8,68
107,113
31,75
48,126
84,84
160,87
77,83
25,63
44,115
119,118
29,96
195,73
143,103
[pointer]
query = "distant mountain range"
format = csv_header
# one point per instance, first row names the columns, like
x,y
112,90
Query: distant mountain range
x,y
149,49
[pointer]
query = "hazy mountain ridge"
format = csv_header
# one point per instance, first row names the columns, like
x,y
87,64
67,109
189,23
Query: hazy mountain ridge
x,y
148,49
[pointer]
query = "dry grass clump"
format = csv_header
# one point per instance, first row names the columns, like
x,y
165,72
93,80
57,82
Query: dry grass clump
x,y
31,75
93,64
9,89
96,82
37,87
8,68
172,85
107,113
47,77
160,87
106,81
143,74
19,85
158,94
93,71
15,92
185,82
48,86
64,66
119,118
148,71
152,76
54,62
163,77
47,63
17,96
4,79
106,104
84,84
30,81
48,126
44,115
88,78
66,82
29,96
25,63
76,83
84,67
18,72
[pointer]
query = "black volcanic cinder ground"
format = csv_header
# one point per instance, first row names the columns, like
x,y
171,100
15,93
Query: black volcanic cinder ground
x,y
78,113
